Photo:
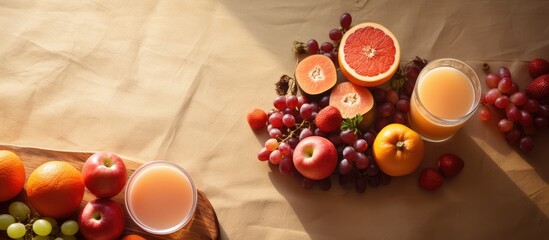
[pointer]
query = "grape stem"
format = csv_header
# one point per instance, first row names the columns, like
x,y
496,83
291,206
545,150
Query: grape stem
x,y
486,67
28,227
293,132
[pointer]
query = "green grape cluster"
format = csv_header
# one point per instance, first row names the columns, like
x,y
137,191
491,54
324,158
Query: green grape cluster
x,y
21,223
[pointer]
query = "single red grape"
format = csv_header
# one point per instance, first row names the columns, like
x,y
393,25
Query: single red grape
x,y
512,137
412,72
485,113
518,98
335,35
512,112
502,102
505,125
403,105
504,72
345,20
492,80
386,109
525,118
505,85
531,105
526,144
312,46
327,47
391,96
492,95
541,122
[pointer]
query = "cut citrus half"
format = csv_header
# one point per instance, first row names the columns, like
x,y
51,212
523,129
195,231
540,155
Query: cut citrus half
x,y
369,54
352,100
316,74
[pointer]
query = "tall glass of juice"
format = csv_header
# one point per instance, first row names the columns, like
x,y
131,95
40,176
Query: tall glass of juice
x,y
446,95
161,197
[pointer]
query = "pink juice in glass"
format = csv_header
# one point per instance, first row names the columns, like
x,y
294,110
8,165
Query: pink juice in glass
x,y
161,197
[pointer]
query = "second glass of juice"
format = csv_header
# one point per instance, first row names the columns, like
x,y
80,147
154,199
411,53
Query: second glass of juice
x,y
161,197
446,94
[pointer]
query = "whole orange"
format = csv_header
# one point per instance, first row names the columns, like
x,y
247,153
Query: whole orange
x,y
133,237
398,150
12,175
55,189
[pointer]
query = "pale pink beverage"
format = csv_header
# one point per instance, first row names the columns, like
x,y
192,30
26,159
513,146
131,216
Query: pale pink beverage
x,y
161,197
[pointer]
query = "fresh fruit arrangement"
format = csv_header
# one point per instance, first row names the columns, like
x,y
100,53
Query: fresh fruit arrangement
x,y
313,141
519,114
356,129
352,48
331,129
55,190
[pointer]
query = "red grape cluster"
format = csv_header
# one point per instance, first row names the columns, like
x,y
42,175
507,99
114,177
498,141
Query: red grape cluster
x,y
292,120
393,105
329,48
518,117
356,163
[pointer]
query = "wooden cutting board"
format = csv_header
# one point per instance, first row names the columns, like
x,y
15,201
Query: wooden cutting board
x,y
203,225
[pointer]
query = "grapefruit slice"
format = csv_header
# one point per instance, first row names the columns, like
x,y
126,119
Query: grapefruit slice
x,y
352,100
369,54
316,74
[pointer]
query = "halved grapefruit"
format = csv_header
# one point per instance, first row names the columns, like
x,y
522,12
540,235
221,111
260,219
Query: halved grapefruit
x,y
369,54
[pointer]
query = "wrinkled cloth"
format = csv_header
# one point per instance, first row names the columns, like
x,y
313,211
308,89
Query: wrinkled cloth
x,y
174,80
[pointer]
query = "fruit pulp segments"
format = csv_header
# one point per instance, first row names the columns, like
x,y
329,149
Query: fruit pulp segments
x,y
369,51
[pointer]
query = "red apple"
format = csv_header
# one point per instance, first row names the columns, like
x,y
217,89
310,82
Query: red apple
x,y
101,219
104,174
315,157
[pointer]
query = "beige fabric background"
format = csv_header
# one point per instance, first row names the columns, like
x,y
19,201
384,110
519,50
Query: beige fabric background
x,y
174,80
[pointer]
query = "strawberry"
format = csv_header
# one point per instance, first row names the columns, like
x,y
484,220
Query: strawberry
x,y
538,67
538,88
329,119
257,118
430,179
450,165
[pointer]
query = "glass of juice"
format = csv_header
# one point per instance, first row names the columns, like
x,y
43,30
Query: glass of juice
x,y
446,94
161,197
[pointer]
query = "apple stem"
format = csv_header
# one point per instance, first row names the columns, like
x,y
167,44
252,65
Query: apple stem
x,y
97,216
107,162
400,145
